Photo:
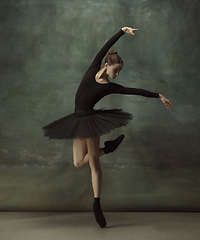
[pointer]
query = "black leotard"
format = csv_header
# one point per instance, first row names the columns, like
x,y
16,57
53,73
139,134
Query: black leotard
x,y
90,91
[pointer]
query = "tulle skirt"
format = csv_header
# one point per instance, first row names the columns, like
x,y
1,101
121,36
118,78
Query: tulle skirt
x,y
86,123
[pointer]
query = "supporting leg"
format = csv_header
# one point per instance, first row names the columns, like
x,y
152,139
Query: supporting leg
x,y
93,154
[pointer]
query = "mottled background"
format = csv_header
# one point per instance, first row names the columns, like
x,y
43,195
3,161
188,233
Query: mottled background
x,y
45,49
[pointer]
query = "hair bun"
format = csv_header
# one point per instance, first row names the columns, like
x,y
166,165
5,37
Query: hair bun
x,y
112,52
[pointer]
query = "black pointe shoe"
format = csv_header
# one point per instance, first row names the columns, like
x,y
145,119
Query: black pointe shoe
x,y
110,146
100,219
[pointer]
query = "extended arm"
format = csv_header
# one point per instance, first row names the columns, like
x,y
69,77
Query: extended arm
x,y
116,88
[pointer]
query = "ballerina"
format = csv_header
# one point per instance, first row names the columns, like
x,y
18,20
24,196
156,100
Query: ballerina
x,y
86,125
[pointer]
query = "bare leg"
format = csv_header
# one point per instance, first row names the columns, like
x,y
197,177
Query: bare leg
x,y
93,155
80,154
86,151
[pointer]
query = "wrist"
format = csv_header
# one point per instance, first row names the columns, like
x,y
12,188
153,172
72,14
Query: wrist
x,y
124,29
160,95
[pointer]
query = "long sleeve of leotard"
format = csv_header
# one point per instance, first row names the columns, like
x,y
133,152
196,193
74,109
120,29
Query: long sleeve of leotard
x,y
117,88
100,55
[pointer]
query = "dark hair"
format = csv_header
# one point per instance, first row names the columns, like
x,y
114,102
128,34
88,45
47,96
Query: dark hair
x,y
113,58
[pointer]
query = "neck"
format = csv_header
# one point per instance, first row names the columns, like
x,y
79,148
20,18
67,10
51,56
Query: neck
x,y
103,75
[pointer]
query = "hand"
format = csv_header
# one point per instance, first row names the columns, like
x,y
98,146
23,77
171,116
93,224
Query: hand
x,y
165,101
129,30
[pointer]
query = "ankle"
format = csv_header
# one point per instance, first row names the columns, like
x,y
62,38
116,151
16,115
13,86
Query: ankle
x,y
96,199
101,152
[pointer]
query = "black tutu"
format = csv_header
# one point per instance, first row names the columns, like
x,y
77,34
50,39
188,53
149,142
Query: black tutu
x,y
87,123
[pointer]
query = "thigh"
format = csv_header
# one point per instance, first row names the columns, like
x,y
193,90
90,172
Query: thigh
x,y
79,149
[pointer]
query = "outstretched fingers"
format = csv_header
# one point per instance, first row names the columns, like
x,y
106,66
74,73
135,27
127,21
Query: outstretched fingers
x,y
168,104
132,30
129,30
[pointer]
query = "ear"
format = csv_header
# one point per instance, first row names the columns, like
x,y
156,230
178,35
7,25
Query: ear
x,y
105,68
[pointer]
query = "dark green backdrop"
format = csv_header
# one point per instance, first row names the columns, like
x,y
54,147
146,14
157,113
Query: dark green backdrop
x,y
45,49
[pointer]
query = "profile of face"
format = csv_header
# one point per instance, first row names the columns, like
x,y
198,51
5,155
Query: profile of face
x,y
113,70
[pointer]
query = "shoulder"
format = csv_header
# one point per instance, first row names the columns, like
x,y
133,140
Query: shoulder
x,y
115,85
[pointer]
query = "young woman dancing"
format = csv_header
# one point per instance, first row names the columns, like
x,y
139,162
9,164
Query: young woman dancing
x,y
86,125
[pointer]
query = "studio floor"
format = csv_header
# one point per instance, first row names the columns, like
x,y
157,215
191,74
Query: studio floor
x,y
81,226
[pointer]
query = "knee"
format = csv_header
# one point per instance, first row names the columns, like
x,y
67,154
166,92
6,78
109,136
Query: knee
x,y
77,165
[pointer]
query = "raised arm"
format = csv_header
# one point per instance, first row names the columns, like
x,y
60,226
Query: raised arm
x,y
100,55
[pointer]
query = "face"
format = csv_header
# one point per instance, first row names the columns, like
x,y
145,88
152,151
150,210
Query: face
x,y
113,70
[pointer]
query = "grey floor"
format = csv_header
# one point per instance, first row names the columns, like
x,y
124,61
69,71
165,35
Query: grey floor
x,y
75,226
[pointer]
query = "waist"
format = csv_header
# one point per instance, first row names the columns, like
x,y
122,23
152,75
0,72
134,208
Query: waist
x,y
83,112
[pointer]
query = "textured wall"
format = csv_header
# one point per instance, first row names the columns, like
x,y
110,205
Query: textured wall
x,y
45,48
